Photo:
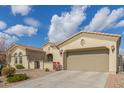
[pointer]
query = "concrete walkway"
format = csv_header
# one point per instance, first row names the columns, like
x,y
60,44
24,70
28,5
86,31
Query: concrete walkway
x,y
67,79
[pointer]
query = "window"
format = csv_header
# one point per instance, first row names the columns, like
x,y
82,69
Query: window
x,y
16,60
20,57
15,56
20,60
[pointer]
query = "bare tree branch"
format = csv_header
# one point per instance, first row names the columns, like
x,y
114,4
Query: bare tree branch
x,y
4,44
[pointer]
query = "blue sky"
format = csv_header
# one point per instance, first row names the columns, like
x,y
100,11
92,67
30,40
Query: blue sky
x,y
35,25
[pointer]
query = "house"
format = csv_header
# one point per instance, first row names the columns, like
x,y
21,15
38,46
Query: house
x,y
29,57
85,51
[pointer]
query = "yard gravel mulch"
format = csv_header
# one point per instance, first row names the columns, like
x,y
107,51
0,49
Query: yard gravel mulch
x,y
31,73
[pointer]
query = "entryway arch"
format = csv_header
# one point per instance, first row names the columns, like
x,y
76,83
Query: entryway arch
x,y
49,57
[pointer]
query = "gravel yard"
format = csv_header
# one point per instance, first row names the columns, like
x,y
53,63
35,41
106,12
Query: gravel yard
x,y
31,73
120,81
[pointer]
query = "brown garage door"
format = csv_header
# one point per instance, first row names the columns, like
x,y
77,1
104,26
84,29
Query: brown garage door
x,y
93,60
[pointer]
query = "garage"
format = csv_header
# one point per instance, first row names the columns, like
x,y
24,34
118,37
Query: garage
x,y
89,59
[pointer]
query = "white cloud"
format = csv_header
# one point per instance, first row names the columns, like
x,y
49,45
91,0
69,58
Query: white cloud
x,y
7,36
20,9
3,25
32,22
21,30
67,24
120,24
105,19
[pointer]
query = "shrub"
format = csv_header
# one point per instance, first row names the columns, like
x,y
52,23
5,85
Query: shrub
x,y
12,70
47,70
8,70
19,66
17,77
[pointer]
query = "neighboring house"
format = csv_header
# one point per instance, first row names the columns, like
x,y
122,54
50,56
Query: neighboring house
x,y
2,58
85,51
29,57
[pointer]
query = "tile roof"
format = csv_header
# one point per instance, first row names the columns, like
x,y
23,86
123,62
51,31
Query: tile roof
x,y
101,33
30,48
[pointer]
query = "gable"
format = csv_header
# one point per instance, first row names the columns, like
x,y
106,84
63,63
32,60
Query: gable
x,y
46,46
17,49
91,35
85,42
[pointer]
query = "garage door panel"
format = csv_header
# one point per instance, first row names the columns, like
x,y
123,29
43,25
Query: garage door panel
x,y
88,60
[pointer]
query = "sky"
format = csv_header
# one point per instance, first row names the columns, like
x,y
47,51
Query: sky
x,y
36,25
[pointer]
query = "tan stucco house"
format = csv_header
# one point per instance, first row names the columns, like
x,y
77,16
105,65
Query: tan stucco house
x,y
85,51
29,57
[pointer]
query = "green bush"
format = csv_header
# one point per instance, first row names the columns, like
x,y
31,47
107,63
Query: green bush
x,y
8,71
19,66
17,77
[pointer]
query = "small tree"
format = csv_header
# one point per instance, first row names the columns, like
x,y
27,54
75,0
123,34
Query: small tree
x,y
6,41
8,71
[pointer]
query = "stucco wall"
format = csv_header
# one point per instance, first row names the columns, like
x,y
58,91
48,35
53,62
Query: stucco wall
x,y
48,65
54,50
94,42
56,56
31,64
24,58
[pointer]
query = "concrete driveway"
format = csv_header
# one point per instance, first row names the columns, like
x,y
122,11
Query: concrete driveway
x,y
67,79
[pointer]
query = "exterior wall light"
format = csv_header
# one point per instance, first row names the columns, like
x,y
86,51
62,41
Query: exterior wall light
x,y
61,51
113,48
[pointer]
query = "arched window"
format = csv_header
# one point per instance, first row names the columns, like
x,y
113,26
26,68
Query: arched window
x,y
49,57
20,57
15,56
